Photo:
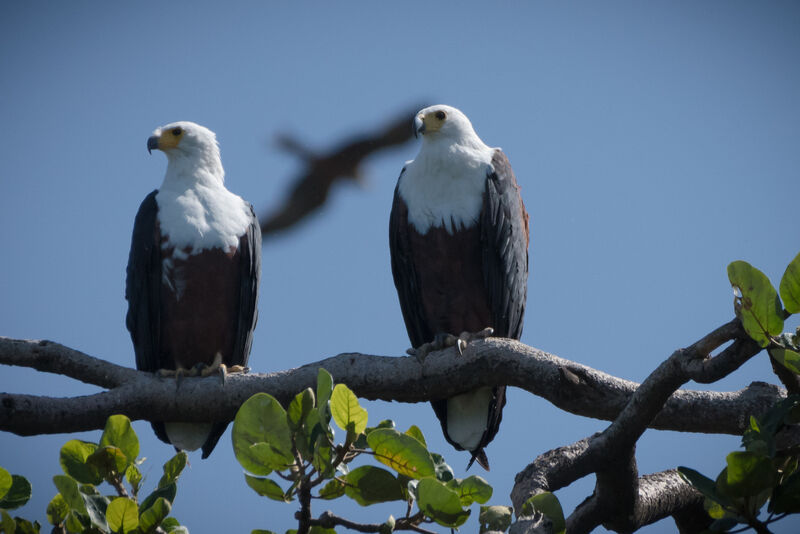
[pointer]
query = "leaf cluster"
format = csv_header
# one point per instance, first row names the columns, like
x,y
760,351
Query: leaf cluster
x,y
292,454
80,507
758,305
760,474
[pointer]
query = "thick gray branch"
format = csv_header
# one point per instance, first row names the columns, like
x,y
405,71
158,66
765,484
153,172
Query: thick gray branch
x,y
570,386
620,498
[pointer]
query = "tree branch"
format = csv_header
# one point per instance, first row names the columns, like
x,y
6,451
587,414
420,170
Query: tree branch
x,y
570,386
620,498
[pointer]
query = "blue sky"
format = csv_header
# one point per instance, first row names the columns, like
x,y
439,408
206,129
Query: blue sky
x,y
655,143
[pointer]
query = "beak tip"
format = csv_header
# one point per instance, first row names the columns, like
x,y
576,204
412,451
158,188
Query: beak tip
x,y
152,144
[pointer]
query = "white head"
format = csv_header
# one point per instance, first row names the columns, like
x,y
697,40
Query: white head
x,y
441,122
191,150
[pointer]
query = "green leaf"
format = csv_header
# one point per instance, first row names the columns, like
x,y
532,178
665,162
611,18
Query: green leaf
x,y
73,458
786,498
346,411
758,306
96,506
122,515
749,474
496,518
134,478
321,530
266,487
786,357
119,433
790,286
8,524
369,485
332,490
546,503
300,407
26,527
402,453
260,531
153,516
76,522
704,485
18,494
415,432
173,469
471,489
68,489
440,503
57,510
262,420
324,389
322,457
5,482
109,461
169,523
167,492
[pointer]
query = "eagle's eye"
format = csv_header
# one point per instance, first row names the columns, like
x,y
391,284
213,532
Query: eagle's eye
x,y
440,115
177,131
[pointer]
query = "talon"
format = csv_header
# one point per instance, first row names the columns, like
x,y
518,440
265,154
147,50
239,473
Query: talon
x,y
461,345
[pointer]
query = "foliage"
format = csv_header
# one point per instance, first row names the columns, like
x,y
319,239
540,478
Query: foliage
x,y
761,474
80,507
297,447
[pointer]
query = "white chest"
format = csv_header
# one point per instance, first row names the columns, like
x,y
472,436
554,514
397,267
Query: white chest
x,y
201,217
445,189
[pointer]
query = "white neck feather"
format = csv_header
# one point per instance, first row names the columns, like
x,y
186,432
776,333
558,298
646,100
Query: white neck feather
x,y
444,185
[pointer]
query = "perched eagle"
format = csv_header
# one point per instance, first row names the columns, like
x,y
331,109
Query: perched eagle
x,y
193,273
458,236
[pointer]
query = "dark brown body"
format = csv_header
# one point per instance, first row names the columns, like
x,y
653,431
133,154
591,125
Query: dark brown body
x,y
184,311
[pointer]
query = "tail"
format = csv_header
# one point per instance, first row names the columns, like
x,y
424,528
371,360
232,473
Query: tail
x,y
479,456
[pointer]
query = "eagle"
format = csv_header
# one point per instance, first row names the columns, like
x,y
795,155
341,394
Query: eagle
x,y
458,235
193,274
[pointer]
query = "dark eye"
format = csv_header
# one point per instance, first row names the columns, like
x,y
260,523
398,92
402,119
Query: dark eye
x,y
177,131
440,115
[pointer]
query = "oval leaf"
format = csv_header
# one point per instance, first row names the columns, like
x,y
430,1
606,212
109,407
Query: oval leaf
x,y
332,490
109,461
758,306
346,411
57,510
69,490
173,469
324,390
266,488
73,458
787,358
18,494
168,492
404,454
790,286
369,485
122,515
471,489
749,474
153,516
415,432
261,419
440,503
5,482
119,433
